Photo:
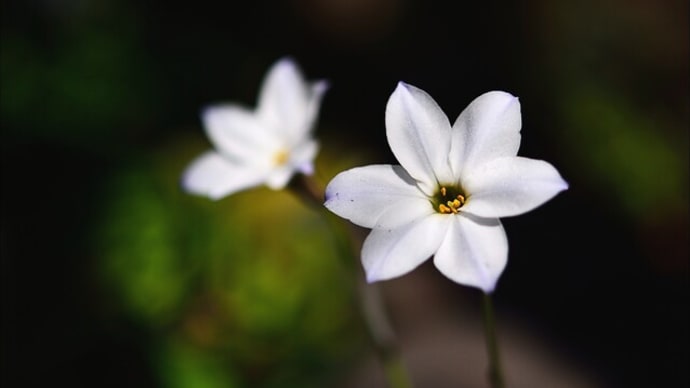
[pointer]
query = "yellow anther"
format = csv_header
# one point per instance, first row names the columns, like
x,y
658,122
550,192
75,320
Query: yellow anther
x,y
281,157
448,201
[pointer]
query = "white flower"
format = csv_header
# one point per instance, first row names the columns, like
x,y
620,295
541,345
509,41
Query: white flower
x,y
449,191
265,146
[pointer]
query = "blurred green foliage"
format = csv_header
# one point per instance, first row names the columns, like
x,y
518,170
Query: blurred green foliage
x,y
246,291
89,81
620,93
183,365
629,157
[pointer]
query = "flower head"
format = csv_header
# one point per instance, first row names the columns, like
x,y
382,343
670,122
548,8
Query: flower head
x,y
265,146
446,196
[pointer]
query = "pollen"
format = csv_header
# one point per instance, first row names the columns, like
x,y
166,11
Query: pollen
x,y
445,209
448,200
281,157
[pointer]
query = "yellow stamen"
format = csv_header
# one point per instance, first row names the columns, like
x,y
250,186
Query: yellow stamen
x,y
449,202
281,157
444,209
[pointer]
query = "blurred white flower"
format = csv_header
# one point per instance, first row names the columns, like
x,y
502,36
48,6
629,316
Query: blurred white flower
x,y
446,196
265,146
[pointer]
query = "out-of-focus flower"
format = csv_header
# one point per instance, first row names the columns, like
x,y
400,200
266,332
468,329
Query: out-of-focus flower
x,y
265,146
449,191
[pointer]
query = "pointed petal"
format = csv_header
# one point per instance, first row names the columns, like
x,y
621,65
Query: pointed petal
x,y
302,156
488,128
213,176
389,253
364,194
474,252
317,90
235,133
419,135
510,186
287,104
279,177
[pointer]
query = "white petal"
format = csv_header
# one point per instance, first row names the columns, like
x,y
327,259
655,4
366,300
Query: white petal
x,y
419,135
213,176
510,186
474,252
392,252
279,177
235,133
317,90
287,103
488,128
302,156
364,194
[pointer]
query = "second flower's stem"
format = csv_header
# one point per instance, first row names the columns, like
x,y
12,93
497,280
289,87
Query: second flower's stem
x,y
495,374
369,298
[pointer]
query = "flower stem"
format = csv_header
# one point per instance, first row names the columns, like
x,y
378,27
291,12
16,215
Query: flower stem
x,y
307,189
382,335
370,301
495,375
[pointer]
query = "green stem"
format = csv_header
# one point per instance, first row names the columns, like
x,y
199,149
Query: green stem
x,y
370,301
495,374
382,335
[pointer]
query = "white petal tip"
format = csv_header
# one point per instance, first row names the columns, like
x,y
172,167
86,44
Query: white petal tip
x,y
214,197
561,185
321,86
190,185
207,110
188,188
404,86
275,185
500,94
564,186
406,89
371,278
499,98
286,61
487,288
307,169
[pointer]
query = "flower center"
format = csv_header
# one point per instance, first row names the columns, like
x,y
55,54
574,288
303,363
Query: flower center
x,y
448,199
281,157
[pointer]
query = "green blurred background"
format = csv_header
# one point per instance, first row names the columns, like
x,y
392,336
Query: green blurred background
x,y
111,276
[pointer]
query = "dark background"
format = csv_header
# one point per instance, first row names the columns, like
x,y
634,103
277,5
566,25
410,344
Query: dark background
x,y
99,115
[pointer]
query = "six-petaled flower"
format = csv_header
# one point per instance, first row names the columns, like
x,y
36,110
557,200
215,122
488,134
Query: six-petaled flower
x,y
446,196
265,146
